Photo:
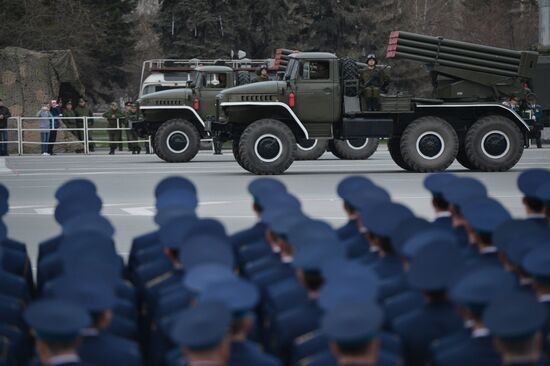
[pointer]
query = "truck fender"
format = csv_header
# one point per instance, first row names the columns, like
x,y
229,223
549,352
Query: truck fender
x,y
182,107
290,112
513,115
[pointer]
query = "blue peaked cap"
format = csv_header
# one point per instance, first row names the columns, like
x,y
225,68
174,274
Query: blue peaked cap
x,y
383,218
74,189
514,315
485,215
203,326
436,183
174,183
353,323
56,319
464,189
530,180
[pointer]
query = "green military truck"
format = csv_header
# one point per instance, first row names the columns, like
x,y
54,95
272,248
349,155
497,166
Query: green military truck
x,y
178,97
319,99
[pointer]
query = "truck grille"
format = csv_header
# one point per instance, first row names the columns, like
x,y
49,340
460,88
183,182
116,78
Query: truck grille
x,y
257,98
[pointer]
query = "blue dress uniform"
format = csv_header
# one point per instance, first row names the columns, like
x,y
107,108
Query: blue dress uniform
x,y
473,292
54,321
528,183
97,295
537,264
358,246
381,220
351,327
512,317
435,184
432,270
241,297
204,328
346,188
484,216
259,189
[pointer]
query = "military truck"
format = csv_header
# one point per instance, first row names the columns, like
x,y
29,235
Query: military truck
x,y
176,111
464,120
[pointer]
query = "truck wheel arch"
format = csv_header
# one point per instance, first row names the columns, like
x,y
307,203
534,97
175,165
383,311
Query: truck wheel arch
x,y
480,110
292,120
184,112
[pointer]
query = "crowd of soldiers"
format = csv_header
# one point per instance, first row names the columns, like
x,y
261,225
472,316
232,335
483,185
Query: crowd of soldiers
x,y
387,288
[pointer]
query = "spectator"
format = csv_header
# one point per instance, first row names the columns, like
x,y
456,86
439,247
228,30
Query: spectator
x,y
55,112
113,116
82,111
45,118
4,115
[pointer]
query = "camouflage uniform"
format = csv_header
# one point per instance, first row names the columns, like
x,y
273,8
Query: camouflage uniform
x,y
261,78
115,136
373,80
131,135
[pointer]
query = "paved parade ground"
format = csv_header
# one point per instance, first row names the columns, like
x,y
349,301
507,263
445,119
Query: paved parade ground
x,y
126,183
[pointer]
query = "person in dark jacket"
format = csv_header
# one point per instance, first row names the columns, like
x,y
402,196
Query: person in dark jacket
x,y
55,110
4,115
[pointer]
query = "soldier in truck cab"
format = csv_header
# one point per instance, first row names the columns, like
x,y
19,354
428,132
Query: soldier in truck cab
x,y
262,75
373,81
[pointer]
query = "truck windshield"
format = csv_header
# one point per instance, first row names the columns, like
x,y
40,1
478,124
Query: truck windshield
x,y
292,63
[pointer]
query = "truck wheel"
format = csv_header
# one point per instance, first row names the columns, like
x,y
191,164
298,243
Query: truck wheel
x,y
429,144
394,147
236,153
350,71
177,141
354,149
243,78
494,144
462,158
310,149
267,147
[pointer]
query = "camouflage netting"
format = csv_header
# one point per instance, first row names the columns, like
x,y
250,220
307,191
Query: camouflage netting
x,y
30,78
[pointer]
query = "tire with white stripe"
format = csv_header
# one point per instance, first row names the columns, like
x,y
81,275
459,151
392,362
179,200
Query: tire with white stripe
x,y
354,149
267,147
177,141
494,143
310,149
429,144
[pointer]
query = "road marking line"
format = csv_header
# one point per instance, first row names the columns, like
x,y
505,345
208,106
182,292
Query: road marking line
x,y
44,211
139,211
3,167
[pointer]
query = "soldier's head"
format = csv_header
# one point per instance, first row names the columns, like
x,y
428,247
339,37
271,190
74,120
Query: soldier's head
x,y
114,106
371,59
129,106
514,100
81,102
69,105
263,70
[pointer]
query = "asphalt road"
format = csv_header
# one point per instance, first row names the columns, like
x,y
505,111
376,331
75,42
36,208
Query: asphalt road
x,y
126,183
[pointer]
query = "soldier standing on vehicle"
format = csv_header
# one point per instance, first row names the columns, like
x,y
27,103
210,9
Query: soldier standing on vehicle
x,y
373,81
114,117
82,111
131,135
262,74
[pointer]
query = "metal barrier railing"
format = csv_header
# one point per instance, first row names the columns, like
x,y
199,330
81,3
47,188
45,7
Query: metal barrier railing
x,y
82,134
6,140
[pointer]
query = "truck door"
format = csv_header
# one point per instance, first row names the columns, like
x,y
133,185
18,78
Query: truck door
x,y
314,89
211,84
